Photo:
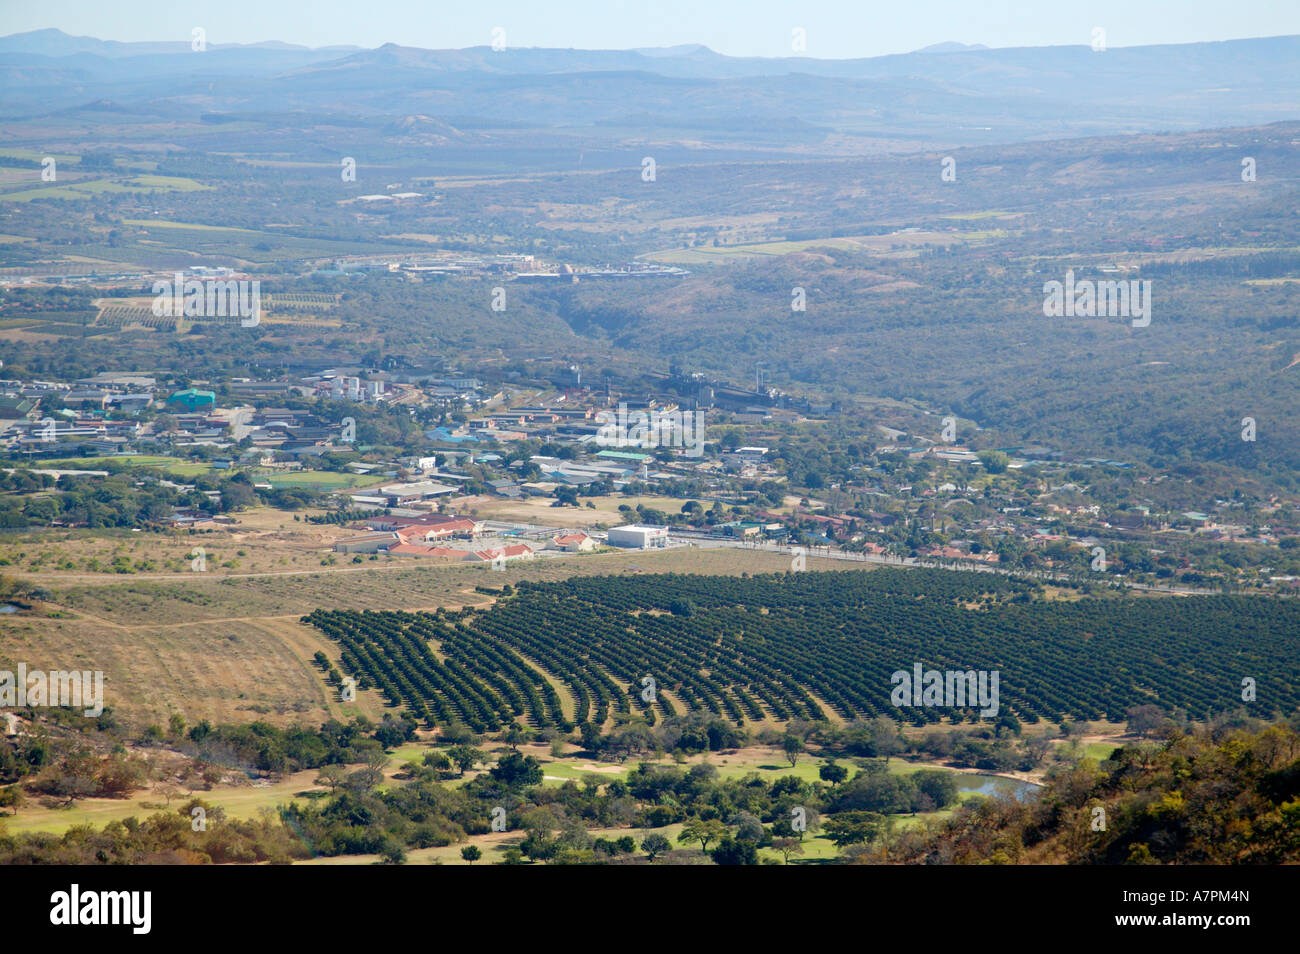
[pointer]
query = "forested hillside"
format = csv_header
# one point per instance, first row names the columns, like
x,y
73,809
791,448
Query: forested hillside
x,y
1216,797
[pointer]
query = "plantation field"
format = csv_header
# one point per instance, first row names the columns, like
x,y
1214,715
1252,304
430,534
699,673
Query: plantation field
x,y
193,226
92,187
703,255
814,646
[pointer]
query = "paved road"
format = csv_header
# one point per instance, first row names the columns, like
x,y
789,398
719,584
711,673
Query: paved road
x,y
831,553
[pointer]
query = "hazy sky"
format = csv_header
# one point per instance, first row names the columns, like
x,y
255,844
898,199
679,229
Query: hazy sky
x,y
833,28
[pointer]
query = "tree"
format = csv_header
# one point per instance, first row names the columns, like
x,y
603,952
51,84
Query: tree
x,y
792,745
995,462
465,757
735,851
591,737
886,742
516,735
471,853
655,845
518,771
1143,720
73,776
788,847
749,828
373,773
11,797
333,776
852,828
436,760
939,787
697,829
632,739
831,773
538,844
393,852
457,733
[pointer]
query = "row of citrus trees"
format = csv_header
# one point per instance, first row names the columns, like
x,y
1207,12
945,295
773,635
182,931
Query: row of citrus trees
x,y
812,645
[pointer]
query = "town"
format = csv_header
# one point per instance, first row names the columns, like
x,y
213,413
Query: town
x,y
454,462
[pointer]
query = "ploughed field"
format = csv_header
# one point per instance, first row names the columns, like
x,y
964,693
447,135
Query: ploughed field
x,y
814,646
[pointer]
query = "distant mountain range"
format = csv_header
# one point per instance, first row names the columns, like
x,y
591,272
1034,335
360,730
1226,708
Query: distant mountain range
x,y
947,93
58,43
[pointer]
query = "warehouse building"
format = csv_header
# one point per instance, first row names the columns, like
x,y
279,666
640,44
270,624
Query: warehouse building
x,y
637,537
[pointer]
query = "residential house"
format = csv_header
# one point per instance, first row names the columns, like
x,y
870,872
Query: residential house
x,y
573,542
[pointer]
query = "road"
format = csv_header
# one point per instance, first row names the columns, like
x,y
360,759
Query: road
x,y
831,553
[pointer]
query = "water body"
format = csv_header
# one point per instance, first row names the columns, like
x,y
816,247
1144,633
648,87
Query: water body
x,y
995,785
8,608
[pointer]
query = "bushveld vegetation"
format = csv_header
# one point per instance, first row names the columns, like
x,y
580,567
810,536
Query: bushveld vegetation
x,y
1223,795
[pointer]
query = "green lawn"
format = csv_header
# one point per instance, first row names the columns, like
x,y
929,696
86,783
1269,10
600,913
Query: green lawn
x,y
314,480
97,463
816,848
187,470
242,802
1099,750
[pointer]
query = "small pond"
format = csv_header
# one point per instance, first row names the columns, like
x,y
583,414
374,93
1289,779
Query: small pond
x,y
995,785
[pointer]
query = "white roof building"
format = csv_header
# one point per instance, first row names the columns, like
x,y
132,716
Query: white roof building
x,y
636,537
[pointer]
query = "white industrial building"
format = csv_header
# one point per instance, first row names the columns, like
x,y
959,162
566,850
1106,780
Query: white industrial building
x,y
637,537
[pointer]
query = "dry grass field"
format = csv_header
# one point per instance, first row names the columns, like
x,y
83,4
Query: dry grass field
x,y
538,510
262,541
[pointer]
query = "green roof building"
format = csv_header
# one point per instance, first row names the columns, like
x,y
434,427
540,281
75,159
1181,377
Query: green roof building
x,y
622,455
193,400
14,407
